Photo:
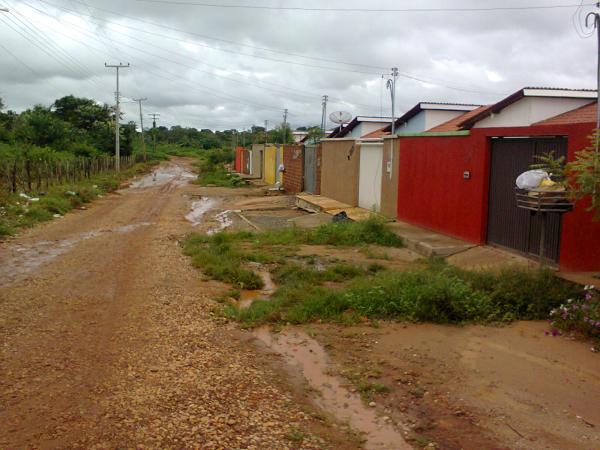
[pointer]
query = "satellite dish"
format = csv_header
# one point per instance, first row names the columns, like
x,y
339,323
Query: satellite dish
x,y
340,117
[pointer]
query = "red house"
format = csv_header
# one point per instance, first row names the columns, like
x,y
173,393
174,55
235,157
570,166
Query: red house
x,y
458,178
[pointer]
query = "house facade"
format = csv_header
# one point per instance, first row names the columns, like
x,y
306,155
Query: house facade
x,y
458,178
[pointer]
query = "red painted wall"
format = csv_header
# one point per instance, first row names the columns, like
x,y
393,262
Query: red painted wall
x,y
433,193
238,159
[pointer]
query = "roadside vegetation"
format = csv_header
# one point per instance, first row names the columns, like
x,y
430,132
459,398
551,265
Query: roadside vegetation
x,y
579,315
25,210
213,166
224,256
432,291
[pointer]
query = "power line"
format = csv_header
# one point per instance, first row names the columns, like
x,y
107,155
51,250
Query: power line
x,y
52,46
194,86
401,74
203,36
385,10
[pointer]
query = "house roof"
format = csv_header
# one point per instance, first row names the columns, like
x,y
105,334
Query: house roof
x,y
527,92
337,133
422,106
583,114
376,134
454,124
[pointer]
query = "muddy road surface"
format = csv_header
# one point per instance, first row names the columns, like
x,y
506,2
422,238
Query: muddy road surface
x,y
107,340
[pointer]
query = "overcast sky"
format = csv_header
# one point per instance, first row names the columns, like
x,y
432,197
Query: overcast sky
x,y
220,68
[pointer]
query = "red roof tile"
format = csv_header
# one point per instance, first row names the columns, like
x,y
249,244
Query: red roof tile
x,y
583,114
454,124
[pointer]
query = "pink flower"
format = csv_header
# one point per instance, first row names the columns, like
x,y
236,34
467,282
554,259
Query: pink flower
x,y
554,332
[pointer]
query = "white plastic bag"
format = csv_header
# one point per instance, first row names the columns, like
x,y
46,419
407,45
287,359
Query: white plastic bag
x,y
531,179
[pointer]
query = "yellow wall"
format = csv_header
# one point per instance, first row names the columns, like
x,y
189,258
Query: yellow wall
x,y
270,164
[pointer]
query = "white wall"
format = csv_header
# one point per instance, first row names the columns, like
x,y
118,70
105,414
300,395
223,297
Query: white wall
x,y
435,117
427,119
369,180
529,110
365,128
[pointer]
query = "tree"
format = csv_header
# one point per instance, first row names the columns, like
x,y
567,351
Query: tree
x,y
39,126
276,135
315,134
583,175
82,113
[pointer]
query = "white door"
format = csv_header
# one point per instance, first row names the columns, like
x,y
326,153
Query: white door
x,y
369,181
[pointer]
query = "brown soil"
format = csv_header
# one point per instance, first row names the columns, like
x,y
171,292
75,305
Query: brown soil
x,y
111,343
476,387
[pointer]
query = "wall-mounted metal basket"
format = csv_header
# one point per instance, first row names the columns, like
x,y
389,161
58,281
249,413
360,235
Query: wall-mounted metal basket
x,y
543,200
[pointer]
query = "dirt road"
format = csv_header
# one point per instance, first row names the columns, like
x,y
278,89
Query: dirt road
x,y
106,338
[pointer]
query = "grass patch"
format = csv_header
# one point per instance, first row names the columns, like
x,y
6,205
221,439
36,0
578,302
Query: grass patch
x,y
17,212
213,171
434,292
217,259
437,293
223,256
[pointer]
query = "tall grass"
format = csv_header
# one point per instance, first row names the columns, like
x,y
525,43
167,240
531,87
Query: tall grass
x,y
437,293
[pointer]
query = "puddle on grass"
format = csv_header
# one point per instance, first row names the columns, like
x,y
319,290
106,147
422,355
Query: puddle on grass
x,y
306,354
163,175
249,296
15,265
199,209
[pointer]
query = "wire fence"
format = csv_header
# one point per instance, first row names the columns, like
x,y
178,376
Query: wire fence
x,y
24,174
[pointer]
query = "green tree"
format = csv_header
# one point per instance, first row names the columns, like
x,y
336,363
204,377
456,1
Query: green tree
x,y
583,175
315,134
39,126
81,113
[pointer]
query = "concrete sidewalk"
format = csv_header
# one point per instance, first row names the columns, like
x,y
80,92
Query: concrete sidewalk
x,y
428,243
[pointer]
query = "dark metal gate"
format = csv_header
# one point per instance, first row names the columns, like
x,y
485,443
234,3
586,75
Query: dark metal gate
x,y
509,226
310,169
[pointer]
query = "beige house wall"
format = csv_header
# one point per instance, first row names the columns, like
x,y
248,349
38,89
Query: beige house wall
x,y
389,181
257,163
340,165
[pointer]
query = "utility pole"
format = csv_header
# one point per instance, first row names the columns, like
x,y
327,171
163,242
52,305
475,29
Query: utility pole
x,y
117,114
155,117
266,125
391,84
324,113
140,100
285,113
596,24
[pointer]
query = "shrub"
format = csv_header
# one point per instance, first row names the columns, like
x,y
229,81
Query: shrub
x,y
580,314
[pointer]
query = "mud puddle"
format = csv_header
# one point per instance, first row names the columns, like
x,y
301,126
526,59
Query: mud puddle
x,y
224,220
163,175
199,209
20,260
249,296
304,353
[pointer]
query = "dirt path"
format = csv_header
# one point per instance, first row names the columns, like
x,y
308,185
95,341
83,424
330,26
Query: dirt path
x,y
106,338
476,387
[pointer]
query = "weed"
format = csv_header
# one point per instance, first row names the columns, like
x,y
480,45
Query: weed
x,y
295,435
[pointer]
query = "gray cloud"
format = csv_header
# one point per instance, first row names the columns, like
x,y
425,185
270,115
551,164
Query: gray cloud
x,y
61,46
